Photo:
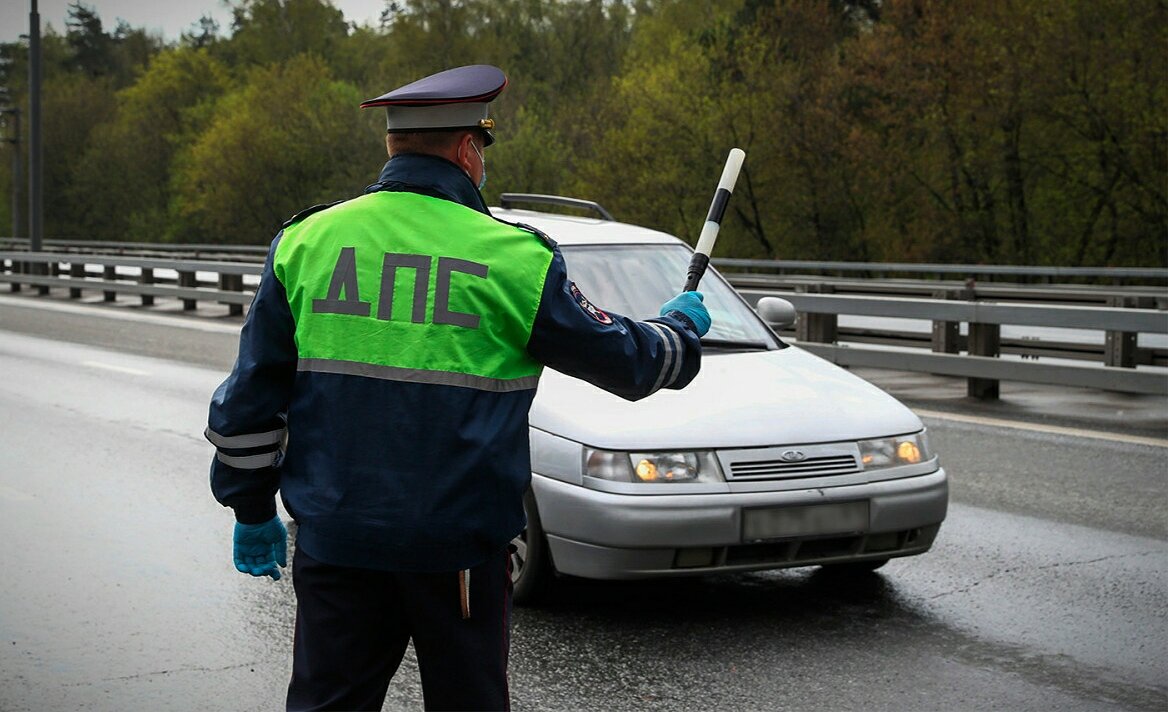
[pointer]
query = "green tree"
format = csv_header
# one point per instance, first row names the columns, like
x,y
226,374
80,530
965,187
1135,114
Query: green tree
x,y
530,157
987,131
82,72
703,77
96,53
426,36
290,137
66,132
1107,106
561,58
1014,132
656,124
89,44
123,176
271,31
202,33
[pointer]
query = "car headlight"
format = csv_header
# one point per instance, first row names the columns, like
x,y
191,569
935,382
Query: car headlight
x,y
895,451
700,466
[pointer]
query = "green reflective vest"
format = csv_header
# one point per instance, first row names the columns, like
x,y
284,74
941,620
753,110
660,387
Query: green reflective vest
x,y
408,287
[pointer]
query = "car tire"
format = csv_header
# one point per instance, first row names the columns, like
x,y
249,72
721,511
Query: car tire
x,y
853,568
531,566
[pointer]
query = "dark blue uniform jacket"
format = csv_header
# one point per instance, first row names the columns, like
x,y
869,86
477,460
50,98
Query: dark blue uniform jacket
x,y
408,476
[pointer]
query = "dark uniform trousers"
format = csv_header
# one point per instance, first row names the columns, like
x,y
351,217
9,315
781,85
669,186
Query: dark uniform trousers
x,y
353,625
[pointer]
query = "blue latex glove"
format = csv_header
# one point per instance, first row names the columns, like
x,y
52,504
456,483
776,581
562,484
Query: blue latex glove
x,y
258,548
690,304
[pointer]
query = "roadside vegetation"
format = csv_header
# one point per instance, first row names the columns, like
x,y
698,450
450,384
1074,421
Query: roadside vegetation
x,y
995,131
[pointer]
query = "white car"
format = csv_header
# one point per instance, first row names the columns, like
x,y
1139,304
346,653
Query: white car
x,y
770,458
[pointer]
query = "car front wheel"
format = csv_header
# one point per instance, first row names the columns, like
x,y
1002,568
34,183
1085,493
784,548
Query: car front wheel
x,y
531,566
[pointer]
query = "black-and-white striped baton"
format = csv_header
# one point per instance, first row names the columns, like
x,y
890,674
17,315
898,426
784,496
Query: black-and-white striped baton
x,y
701,258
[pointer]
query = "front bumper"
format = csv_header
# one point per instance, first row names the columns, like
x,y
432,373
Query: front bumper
x,y
605,535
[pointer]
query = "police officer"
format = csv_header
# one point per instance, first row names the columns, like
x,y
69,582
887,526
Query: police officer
x,y
384,377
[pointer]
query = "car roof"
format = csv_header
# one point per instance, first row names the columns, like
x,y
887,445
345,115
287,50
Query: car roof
x,y
574,230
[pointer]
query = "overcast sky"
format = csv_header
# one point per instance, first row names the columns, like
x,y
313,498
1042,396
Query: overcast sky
x,y
170,17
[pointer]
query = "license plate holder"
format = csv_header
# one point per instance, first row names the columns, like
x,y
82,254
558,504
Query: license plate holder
x,y
769,523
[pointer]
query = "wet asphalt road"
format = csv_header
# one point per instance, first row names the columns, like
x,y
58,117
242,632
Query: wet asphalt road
x,y
1047,588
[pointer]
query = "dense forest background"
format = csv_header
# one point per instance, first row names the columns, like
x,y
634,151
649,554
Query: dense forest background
x,y
995,131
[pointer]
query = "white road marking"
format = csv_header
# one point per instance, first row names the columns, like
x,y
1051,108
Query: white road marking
x,y
122,313
117,369
1040,428
14,495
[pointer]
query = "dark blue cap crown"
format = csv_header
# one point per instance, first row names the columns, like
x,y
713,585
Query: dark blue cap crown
x,y
453,99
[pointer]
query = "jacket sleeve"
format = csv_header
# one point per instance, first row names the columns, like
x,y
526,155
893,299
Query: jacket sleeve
x,y
630,358
247,416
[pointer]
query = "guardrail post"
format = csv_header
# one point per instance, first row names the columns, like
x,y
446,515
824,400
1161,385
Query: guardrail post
x,y
232,283
984,340
947,334
1119,347
33,269
110,274
17,268
51,269
187,279
147,277
819,328
76,271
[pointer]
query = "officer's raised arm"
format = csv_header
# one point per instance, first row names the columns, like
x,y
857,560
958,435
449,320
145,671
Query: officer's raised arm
x,y
630,358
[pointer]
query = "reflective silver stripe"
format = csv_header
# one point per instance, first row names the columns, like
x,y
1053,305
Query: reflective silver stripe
x,y
670,354
235,442
676,339
248,462
415,375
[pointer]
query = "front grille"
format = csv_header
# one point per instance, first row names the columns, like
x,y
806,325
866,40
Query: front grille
x,y
799,552
810,467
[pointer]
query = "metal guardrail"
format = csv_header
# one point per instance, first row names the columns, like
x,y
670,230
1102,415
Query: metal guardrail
x,y
1118,366
246,253
1114,368
1055,293
964,270
759,268
45,270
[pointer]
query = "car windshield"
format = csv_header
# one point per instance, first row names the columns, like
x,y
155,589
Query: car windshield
x,y
635,280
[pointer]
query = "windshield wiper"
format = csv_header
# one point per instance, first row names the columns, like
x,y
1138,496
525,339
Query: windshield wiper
x,y
734,344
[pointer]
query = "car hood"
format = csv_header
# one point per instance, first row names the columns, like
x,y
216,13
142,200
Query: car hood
x,y
739,399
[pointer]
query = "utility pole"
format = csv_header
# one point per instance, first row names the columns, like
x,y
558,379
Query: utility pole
x,y
35,150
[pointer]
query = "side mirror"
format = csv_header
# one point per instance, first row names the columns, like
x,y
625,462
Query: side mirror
x,y
779,313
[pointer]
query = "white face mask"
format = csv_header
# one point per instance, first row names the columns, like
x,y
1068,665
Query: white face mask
x,y
483,163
